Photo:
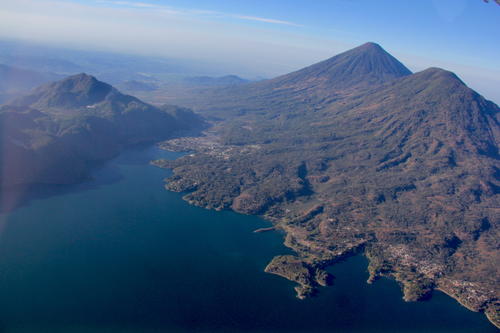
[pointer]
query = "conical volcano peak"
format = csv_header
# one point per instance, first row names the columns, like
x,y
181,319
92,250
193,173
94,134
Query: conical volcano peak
x,y
83,83
370,46
81,76
75,91
369,58
372,49
364,66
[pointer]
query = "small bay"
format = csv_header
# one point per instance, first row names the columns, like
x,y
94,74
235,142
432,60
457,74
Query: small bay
x,y
121,254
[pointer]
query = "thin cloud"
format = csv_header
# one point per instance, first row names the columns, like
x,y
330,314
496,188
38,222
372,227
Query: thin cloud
x,y
266,20
196,12
129,4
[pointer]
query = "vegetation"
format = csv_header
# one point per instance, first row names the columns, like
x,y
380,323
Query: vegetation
x,y
57,133
405,169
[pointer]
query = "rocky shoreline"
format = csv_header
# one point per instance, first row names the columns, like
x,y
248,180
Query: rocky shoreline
x,y
356,154
417,277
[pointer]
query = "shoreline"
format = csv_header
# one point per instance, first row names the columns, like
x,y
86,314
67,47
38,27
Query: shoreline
x,y
314,263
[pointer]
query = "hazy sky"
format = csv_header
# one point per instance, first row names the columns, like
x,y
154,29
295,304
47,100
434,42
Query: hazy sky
x,y
271,37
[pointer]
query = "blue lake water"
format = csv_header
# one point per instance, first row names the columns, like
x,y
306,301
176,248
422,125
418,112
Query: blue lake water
x,y
121,254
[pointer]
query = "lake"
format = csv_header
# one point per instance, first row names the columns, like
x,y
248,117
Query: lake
x,y
119,253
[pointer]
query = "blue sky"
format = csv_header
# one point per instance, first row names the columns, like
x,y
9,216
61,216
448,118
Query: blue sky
x,y
272,37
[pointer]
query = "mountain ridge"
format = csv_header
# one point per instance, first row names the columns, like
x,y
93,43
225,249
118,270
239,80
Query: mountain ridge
x,y
365,64
74,91
404,170
15,81
55,134
353,70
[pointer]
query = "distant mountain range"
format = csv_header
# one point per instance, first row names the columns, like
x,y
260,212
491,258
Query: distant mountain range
x,y
227,80
15,81
134,85
114,68
181,88
58,132
357,154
